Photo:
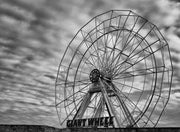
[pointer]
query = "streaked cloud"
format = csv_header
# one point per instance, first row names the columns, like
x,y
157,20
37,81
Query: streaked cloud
x,y
33,37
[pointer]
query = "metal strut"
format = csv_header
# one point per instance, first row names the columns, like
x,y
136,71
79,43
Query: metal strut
x,y
100,108
108,103
86,101
107,90
125,109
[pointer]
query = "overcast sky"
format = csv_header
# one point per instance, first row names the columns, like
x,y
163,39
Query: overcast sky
x,y
33,36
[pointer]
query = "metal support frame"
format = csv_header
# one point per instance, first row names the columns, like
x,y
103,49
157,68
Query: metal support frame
x,y
83,106
100,108
108,103
106,89
126,111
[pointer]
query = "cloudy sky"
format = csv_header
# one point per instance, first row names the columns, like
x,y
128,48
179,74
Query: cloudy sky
x,y
33,36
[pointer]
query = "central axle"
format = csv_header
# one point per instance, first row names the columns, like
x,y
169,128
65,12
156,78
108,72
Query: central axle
x,y
95,75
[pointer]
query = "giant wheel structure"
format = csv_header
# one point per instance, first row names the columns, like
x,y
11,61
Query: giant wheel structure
x,y
118,65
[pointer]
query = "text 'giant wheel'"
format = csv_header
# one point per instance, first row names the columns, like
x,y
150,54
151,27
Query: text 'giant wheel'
x,y
117,65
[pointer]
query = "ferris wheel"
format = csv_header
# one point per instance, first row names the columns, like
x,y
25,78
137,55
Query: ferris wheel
x,y
117,65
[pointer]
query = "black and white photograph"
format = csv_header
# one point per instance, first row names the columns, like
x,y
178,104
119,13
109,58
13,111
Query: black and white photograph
x,y
89,65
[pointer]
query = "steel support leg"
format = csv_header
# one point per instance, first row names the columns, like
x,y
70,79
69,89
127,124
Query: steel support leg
x,y
83,106
109,105
99,109
125,109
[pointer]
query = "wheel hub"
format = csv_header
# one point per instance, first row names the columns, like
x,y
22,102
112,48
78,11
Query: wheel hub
x,y
94,75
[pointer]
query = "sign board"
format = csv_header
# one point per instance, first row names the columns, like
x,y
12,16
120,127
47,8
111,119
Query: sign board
x,y
91,122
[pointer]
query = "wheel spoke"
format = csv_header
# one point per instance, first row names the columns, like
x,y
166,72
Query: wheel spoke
x,y
128,86
73,94
125,44
135,105
133,37
135,63
142,72
72,68
76,83
119,66
71,112
91,54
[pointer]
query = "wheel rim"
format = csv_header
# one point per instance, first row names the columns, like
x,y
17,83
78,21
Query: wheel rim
x,y
125,51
